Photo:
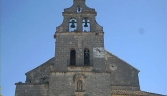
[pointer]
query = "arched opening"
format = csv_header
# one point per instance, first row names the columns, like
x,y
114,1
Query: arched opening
x,y
72,25
86,57
73,58
86,25
79,9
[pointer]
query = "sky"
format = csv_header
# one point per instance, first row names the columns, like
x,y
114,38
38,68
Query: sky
x,y
135,31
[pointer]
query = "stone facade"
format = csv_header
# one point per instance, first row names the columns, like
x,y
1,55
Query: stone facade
x,y
93,84
81,66
32,89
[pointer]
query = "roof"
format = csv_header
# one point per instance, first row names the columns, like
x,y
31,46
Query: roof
x,y
134,93
42,65
121,60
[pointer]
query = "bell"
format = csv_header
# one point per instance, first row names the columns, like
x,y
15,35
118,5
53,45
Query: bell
x,y
86,25
79,9
72,26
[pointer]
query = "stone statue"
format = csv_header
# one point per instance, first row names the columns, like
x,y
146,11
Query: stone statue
x,y
79,85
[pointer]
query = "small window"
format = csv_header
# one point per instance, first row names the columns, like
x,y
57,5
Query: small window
x,y
86,25
72,25
79,9
86,57
73,58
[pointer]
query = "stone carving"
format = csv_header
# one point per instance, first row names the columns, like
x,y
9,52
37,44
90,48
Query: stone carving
x,y
79,85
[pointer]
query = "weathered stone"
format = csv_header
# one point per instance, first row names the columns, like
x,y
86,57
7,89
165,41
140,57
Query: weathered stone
x,y
81,66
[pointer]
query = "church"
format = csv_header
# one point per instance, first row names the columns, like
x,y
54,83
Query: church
x,y
81,65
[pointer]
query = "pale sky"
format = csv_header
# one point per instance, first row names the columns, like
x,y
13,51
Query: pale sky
x,y
135,31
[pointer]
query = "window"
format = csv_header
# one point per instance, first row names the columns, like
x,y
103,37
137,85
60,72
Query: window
x,y
79,9
86,25
72,25
73,58
86,57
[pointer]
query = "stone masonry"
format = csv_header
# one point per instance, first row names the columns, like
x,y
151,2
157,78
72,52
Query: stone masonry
x,y
81,65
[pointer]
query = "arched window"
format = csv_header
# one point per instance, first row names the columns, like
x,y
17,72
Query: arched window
x,y
72,25
86,25
86,57
73,58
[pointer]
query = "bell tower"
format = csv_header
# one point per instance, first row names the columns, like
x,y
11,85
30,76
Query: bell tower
x,y
79,40
79,18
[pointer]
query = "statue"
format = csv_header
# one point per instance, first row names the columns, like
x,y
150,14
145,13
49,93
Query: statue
x,y
79,85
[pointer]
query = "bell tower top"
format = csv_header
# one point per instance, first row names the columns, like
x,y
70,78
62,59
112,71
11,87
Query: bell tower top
x,y
80,1
79,18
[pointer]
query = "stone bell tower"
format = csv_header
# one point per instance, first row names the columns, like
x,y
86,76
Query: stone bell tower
x,y
80,55
79,39
81,65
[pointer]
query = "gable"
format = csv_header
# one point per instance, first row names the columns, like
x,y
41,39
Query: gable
x,y
109,56
41,71
123,75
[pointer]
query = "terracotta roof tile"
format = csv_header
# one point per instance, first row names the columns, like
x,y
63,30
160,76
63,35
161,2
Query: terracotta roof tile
x,y
133,93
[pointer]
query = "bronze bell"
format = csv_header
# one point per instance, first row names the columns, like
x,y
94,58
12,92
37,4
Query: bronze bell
x,y
72,26
79,9
86,25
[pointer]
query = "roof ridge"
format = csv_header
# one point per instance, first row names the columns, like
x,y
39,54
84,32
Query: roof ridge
x,y
40,65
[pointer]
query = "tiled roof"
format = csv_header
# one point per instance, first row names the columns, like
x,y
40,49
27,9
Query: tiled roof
x,y
133,93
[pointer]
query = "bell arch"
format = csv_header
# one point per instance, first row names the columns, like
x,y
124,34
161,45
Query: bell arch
x,y
72,25
86,24
79,9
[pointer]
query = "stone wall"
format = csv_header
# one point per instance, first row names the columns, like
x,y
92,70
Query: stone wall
x,y
87,12
38,74
123,75
24,89
65,84
78,41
